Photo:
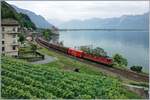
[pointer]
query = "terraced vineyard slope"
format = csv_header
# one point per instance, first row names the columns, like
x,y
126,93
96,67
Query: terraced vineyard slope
x,y
23,80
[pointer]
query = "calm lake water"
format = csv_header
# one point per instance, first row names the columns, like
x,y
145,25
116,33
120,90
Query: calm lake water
x,y
133,45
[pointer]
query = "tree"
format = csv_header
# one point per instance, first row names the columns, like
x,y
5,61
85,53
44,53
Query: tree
x,y
47,33
119,61
99,52
86,49
7,11
21,38
136,68
96,51
34,48
61,43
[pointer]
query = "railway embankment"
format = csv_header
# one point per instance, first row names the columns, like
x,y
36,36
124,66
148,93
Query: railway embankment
x,y
119,73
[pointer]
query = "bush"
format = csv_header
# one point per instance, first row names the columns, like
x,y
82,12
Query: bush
x,y
119,60
96,51
21,38
34,48
47,34
136,68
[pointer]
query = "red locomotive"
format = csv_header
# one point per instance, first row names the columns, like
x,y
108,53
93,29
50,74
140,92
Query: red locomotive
x,y
76,53
103,60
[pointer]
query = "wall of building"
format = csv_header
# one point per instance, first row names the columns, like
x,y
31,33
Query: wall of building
x,y
10,40
10,29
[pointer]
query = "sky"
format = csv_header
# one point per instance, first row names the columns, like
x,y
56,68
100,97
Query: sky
x,y
82,10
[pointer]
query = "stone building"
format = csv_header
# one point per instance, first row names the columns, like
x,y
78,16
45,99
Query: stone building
x,y
10,31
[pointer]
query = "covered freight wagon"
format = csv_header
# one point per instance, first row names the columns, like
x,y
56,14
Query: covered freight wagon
x,y
74,52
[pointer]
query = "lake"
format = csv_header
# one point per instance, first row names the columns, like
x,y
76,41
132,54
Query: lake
x,y
133,45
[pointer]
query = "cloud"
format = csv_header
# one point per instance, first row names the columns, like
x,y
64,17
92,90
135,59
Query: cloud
x,y
68,10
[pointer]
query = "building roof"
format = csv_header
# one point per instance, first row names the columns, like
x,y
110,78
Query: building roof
x,y
9,22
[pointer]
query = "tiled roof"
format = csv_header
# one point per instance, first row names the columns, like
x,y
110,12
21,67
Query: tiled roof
x,y
9,22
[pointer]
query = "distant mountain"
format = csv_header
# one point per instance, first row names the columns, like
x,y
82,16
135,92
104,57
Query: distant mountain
x,y
39,21
55,22
123,22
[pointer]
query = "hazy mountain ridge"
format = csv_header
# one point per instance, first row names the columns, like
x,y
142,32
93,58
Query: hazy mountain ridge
x,y
39,21
123,22
8,12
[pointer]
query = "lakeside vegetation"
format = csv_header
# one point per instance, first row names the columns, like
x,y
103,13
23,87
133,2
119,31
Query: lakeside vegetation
x,y
119,61
47,34
94,51
23,80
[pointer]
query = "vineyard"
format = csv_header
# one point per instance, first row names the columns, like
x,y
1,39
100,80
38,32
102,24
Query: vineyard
x,y
23,80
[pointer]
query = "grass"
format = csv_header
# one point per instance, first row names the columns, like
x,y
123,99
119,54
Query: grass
x,y
66,63
26,81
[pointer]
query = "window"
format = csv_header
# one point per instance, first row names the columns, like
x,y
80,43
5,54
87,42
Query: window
x,y
14,41
3,48
14,47
3,29
2,36
18,29
14,35
14,29
3,42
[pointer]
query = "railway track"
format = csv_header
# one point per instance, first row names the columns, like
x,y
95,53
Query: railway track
x,y
122,73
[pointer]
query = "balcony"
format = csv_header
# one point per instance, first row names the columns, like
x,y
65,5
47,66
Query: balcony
x,y
3,39
9,31
15,43
10,51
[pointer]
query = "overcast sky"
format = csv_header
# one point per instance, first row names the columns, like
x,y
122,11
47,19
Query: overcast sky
x,y
68,10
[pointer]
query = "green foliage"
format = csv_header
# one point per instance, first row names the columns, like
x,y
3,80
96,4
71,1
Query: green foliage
x,y
33,48
26,81
136,68
96,51
7,11
26,22
21,38
47,33
119,61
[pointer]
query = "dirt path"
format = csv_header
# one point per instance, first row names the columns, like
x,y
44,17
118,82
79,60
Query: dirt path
x,y
46,60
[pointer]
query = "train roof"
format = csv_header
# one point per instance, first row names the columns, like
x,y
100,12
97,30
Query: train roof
x,y
75,50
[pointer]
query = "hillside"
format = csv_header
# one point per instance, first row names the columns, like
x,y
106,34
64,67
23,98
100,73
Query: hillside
x,y
23,80
7,11
123,22
39,21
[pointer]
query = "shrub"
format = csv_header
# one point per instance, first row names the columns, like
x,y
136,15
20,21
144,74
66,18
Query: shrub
x,y
21,38
119,60
96,51
34,48
47,34
136,68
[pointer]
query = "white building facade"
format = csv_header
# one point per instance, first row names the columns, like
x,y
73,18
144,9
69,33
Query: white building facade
x,y
10,31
